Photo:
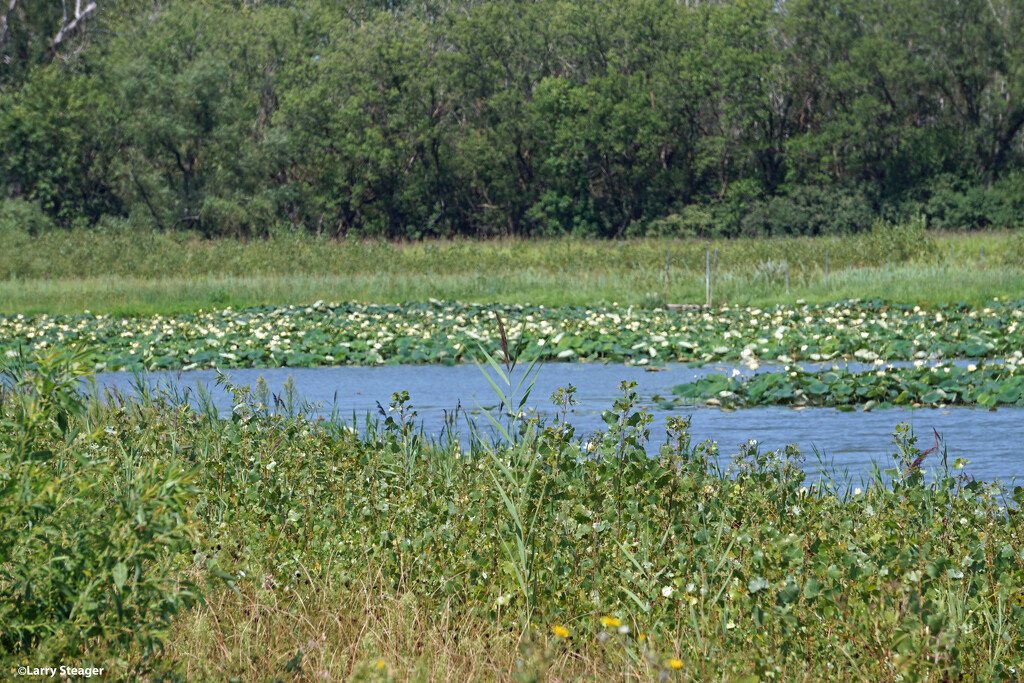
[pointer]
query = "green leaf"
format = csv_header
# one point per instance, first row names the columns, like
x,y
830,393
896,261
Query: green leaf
x,y
120,574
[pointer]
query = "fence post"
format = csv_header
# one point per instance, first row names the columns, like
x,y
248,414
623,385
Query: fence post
x,y
707,278
714,272
666,276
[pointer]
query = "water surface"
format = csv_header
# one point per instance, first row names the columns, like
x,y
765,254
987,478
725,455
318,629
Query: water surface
x,y
848,441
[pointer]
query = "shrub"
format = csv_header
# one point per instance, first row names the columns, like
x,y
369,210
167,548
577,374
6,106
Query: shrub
x,y
897,243
953,205
694,220
22,216
89,528
809,210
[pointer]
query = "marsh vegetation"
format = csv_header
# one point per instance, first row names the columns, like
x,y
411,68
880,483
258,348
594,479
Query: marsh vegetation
x,y
272,547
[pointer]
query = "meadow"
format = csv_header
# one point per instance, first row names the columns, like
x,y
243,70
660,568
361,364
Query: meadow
x,y
165,543
133,272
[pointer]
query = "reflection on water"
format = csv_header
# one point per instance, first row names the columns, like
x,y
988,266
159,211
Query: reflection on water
x,y
849,441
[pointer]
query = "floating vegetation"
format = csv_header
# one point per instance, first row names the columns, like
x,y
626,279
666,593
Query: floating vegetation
x,y
986,384
440,332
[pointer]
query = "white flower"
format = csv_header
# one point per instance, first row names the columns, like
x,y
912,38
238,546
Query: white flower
x,y
667,591
857,491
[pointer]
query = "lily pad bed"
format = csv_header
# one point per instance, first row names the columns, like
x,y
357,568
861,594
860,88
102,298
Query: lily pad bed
x,y
985,384
451,332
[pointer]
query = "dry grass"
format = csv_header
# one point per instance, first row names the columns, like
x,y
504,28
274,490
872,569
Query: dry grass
x,y
333,632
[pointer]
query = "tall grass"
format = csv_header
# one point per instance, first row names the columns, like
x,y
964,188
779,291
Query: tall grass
x,y
121,272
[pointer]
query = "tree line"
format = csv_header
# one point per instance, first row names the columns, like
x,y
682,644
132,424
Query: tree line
x,y
603,118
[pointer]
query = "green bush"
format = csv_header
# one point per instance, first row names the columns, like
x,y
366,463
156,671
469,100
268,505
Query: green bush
x,y
809,210
891,243
953,204
22,216
692,221
90,527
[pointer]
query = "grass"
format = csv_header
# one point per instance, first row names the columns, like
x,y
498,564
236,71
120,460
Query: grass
x,y
323,553
128,273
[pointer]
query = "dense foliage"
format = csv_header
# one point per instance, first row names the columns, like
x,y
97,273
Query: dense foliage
x,y
982,384
542,117
657,566
438,332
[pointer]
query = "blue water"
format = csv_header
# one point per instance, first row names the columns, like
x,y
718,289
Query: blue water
x,y
849,442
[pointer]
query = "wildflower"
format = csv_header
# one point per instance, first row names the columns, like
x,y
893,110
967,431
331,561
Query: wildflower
x,y
667,591
675,663
611,622
560,631
380,663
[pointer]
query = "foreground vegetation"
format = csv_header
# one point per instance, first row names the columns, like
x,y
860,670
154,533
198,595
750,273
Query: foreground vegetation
x,y
159,540
437,118
143,273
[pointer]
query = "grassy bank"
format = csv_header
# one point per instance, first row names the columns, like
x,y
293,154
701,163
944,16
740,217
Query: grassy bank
x,y
145,273
320,554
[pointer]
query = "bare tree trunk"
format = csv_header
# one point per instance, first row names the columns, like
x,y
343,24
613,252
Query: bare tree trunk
x,y
69,24
4,19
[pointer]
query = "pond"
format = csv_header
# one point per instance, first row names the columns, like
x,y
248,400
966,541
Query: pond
x,y
848,442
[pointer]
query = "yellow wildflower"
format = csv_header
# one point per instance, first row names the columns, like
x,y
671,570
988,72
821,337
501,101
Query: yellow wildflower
x,y
380,663
675,663
611,622
560,631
